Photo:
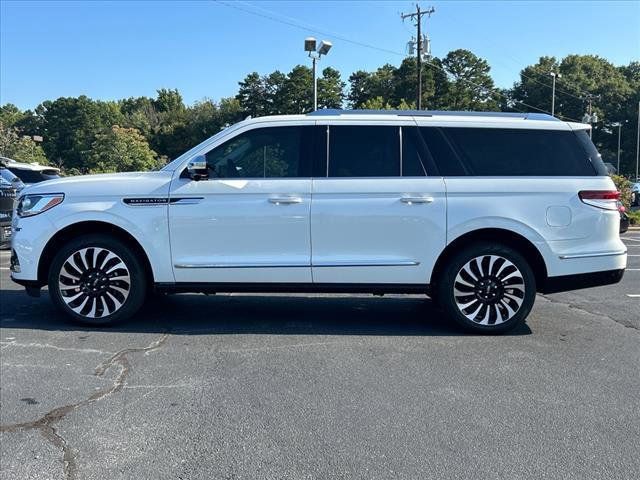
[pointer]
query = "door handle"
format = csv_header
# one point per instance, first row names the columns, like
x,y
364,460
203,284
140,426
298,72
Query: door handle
x,y
288,200
410,199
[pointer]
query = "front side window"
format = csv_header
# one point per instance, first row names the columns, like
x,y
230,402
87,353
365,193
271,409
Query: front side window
x,y
364,151
273,152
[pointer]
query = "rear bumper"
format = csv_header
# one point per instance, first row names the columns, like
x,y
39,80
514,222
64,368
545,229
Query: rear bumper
x,y
577,281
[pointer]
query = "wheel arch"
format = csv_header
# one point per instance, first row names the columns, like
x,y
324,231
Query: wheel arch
x,y
90,227
500,236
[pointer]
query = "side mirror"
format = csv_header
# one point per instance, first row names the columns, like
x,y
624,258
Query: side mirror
x,y
197,168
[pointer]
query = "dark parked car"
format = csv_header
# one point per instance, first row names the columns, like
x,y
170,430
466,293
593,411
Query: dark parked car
x,y
624,218
10,185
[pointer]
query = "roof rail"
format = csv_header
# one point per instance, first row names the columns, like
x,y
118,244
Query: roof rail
x,y
433,113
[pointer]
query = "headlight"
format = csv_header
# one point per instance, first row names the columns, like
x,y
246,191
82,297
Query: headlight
x,y
30,205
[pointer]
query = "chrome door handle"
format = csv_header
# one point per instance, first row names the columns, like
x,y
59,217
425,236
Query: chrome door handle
x,y
289,200
409,200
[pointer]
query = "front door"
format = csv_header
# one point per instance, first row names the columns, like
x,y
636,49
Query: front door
x,y
249,222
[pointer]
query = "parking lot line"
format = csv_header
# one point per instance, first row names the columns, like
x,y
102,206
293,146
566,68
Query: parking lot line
x,y
633,295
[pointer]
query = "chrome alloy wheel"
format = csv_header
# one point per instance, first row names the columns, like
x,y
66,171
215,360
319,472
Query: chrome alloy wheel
x,y
94,282
489,290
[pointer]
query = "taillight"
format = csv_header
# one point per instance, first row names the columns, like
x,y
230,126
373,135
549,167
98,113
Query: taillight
x,y
606,199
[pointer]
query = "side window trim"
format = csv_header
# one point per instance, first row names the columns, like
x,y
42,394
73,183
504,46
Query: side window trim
x,y
401,147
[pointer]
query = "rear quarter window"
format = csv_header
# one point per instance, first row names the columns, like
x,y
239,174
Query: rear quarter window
x,y
521,152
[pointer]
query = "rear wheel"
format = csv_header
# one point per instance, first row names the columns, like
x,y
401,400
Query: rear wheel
x,y
487,288
97,280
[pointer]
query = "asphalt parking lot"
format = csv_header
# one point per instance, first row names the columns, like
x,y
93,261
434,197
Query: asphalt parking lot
x,y
302,387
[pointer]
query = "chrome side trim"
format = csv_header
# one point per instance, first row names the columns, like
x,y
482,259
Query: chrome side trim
x,y
186,201
240,265
394,263
590,255
390,263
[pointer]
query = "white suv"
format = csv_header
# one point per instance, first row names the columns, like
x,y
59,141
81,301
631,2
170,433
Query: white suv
x,y
477,210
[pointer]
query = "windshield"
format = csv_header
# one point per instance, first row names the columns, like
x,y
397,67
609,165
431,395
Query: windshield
x,y
7,176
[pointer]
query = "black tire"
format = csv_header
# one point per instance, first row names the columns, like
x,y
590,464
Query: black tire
x,y
100,281
502,290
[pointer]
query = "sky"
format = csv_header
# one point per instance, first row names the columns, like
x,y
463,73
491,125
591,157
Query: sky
x,y
118,49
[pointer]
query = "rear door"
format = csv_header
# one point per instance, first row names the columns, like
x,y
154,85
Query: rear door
x,y
376,216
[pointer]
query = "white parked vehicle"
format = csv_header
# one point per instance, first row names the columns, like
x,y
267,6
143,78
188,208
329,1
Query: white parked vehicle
x,y
30,173
477,210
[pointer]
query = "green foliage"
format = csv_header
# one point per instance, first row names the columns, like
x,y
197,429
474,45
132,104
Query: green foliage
x,y
20,147
471,86
76,128
634,217
624,187
120,149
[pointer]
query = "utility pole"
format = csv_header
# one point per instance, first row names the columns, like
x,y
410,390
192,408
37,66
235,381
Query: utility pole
x,y
417,16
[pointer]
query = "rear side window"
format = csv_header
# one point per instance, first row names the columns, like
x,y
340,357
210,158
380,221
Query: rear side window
x,y
412,154
364,151
520,152
447,162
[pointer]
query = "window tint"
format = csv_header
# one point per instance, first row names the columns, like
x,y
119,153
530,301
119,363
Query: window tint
x,y
273,152
446,160
412,153
505,152
592,152
364,151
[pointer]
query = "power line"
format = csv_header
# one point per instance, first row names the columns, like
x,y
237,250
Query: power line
x,y
291,22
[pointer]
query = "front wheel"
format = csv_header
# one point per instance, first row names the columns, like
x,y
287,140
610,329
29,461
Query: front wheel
x,y
487,288
97,280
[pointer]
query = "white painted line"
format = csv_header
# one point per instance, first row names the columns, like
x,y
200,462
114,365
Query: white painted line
x,y
4,268
633,295
633,269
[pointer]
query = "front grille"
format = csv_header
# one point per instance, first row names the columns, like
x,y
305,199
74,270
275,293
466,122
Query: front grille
x,y
7,200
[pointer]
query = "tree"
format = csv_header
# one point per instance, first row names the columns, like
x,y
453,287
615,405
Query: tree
x,y
252,95
297,91
20,147
120,149
69,127
10,115
330,89
358,89
471,87
615,92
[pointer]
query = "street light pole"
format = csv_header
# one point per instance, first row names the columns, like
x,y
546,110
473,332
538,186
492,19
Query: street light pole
x,y
315,84
315,52
619,129
638,143
554,75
